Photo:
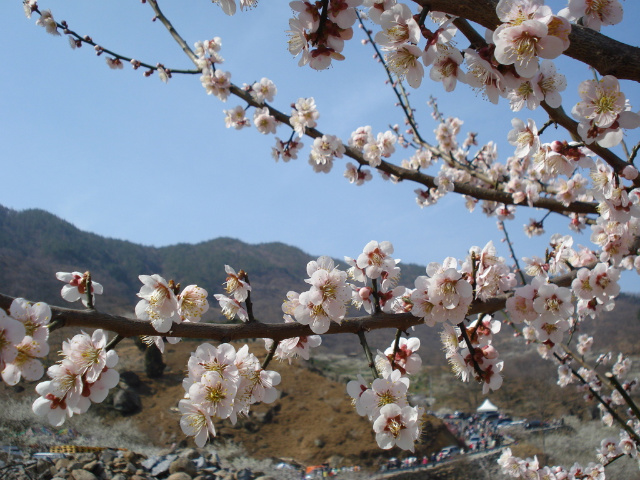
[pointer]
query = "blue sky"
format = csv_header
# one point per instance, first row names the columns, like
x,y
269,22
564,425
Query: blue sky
x,y
129,157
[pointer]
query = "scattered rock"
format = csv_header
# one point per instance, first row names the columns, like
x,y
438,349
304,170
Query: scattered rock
x,y
179,476
163,466
127,401
244,474
190,453
183,464
83,475
131,379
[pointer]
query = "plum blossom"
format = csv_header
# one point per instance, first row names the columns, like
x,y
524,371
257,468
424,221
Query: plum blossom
x,y
192,303
483,77
214,394
524,137
376,258
446,68
405,358
84,375
217,83
405,63
293,347
264,90
235,284
89,354
159,303
35,318
304,115
236,118
397,426
449,292
11,334
76,286
286,150
391,389
228,6
553,303
398,28
46,20
355,389
26,364
522,44
264,122
594,13
602,101
326,299
357,175
231,307
195,422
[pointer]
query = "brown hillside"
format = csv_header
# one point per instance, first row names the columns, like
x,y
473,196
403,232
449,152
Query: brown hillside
x,y
312,422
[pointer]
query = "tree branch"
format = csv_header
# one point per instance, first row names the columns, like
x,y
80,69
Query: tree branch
x,y
606,55
130,327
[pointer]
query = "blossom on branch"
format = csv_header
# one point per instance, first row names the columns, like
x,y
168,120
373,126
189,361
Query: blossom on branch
x,y
77,286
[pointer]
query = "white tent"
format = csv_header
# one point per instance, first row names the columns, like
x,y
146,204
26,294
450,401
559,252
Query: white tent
x,y
487,407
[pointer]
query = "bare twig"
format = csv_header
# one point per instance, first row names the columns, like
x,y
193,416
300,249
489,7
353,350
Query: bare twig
x,y
367,353
270,355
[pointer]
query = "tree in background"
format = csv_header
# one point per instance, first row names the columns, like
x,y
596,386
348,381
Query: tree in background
x,y
584,172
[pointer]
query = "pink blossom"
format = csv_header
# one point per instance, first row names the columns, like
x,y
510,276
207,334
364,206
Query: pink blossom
x,y
159,303
77,285
602,101
376,258
397,426
35,318
594,13
11,334
192,303
196,422
520,45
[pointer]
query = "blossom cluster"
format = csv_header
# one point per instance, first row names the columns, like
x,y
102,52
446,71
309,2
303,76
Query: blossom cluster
x,y
162,305
239,289
325,301
318,33
385,403
293,347
23,340
222,383
516,467
472,355
84,375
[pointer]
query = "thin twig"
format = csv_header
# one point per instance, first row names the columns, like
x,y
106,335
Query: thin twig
x,y
270,355
396,347
607,407
513,253
367,353
248,303
545,126
89,41
114,341
472,352
89,289
174,33
632,405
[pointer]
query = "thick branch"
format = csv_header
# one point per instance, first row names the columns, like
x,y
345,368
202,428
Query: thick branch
x,y
606,55
130,327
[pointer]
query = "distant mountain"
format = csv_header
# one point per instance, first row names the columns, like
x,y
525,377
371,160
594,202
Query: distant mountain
x,y
34,245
